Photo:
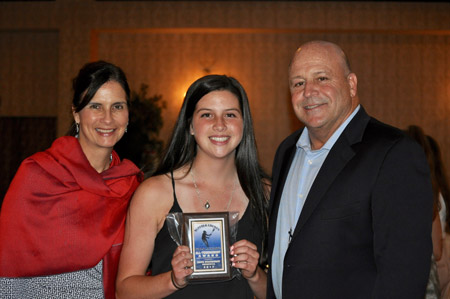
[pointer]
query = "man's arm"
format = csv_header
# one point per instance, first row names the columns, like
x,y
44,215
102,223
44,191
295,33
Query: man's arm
x,y
402,216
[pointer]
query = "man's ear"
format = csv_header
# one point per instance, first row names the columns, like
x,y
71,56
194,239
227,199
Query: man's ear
x,y
353,84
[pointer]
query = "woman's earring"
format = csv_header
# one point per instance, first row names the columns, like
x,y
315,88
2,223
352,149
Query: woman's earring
x,y
126,128
77,128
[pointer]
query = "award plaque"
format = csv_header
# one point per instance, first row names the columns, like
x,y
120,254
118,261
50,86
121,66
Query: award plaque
x,y
207,236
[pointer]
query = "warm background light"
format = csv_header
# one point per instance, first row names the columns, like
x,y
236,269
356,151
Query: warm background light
x,y
399,50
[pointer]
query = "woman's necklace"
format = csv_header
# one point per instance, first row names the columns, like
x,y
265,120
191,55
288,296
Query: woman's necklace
x,y
207,205
107,165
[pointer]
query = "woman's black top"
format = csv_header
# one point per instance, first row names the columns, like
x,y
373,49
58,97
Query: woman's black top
x,y
235,288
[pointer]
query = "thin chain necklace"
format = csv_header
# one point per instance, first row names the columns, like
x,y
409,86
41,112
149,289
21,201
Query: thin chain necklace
x,y
109,163
207,205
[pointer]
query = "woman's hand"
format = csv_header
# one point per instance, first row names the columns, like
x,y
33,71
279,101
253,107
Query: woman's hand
x,y
181,266
245,256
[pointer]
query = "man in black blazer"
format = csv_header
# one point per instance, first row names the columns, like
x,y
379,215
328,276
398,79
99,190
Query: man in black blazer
x,y
351,200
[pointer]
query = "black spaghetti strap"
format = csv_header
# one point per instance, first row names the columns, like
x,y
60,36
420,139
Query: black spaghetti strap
x,y
173,187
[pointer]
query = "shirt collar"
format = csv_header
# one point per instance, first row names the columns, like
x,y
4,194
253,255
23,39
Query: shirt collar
x,y
305,143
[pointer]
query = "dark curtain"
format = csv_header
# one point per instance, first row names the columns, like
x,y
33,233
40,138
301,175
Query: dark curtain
x,y
21,137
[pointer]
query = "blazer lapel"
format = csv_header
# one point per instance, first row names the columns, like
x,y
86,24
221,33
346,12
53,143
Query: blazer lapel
x,y
336,160
280,174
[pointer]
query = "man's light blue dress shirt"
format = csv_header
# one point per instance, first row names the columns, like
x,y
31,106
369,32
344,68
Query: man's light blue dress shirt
x,y
302,173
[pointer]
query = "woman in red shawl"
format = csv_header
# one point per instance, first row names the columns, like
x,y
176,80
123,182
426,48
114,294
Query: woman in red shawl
x,y
62,219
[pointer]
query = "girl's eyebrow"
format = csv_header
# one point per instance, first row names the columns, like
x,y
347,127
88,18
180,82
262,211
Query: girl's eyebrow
x,y
203,110
210,109
115,103
233,109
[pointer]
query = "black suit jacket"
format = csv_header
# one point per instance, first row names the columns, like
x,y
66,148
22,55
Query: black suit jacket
x,y
365,228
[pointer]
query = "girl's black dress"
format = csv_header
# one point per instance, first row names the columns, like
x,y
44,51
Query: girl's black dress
x,y
236,288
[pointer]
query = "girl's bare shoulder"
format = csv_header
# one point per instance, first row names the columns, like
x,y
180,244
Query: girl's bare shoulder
x,y
155,191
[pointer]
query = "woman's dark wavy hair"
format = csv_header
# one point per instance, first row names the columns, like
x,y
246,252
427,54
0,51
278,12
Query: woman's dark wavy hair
x,y
89,79
440,177
182,149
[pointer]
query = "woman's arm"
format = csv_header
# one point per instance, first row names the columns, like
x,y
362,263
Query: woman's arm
x,y
436,237
146,216
245,256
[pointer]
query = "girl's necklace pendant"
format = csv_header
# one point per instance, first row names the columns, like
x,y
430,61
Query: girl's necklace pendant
x,y
207,205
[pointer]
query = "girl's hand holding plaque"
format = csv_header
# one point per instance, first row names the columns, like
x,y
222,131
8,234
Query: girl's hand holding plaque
x,y
181,266
245,256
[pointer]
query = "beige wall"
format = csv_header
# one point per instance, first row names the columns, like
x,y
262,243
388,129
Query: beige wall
x,y
400,52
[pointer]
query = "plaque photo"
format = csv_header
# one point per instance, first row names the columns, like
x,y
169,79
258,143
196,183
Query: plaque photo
x,y
207,236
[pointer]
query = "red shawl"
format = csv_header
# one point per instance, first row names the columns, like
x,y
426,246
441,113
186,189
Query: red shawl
x,y
59,215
